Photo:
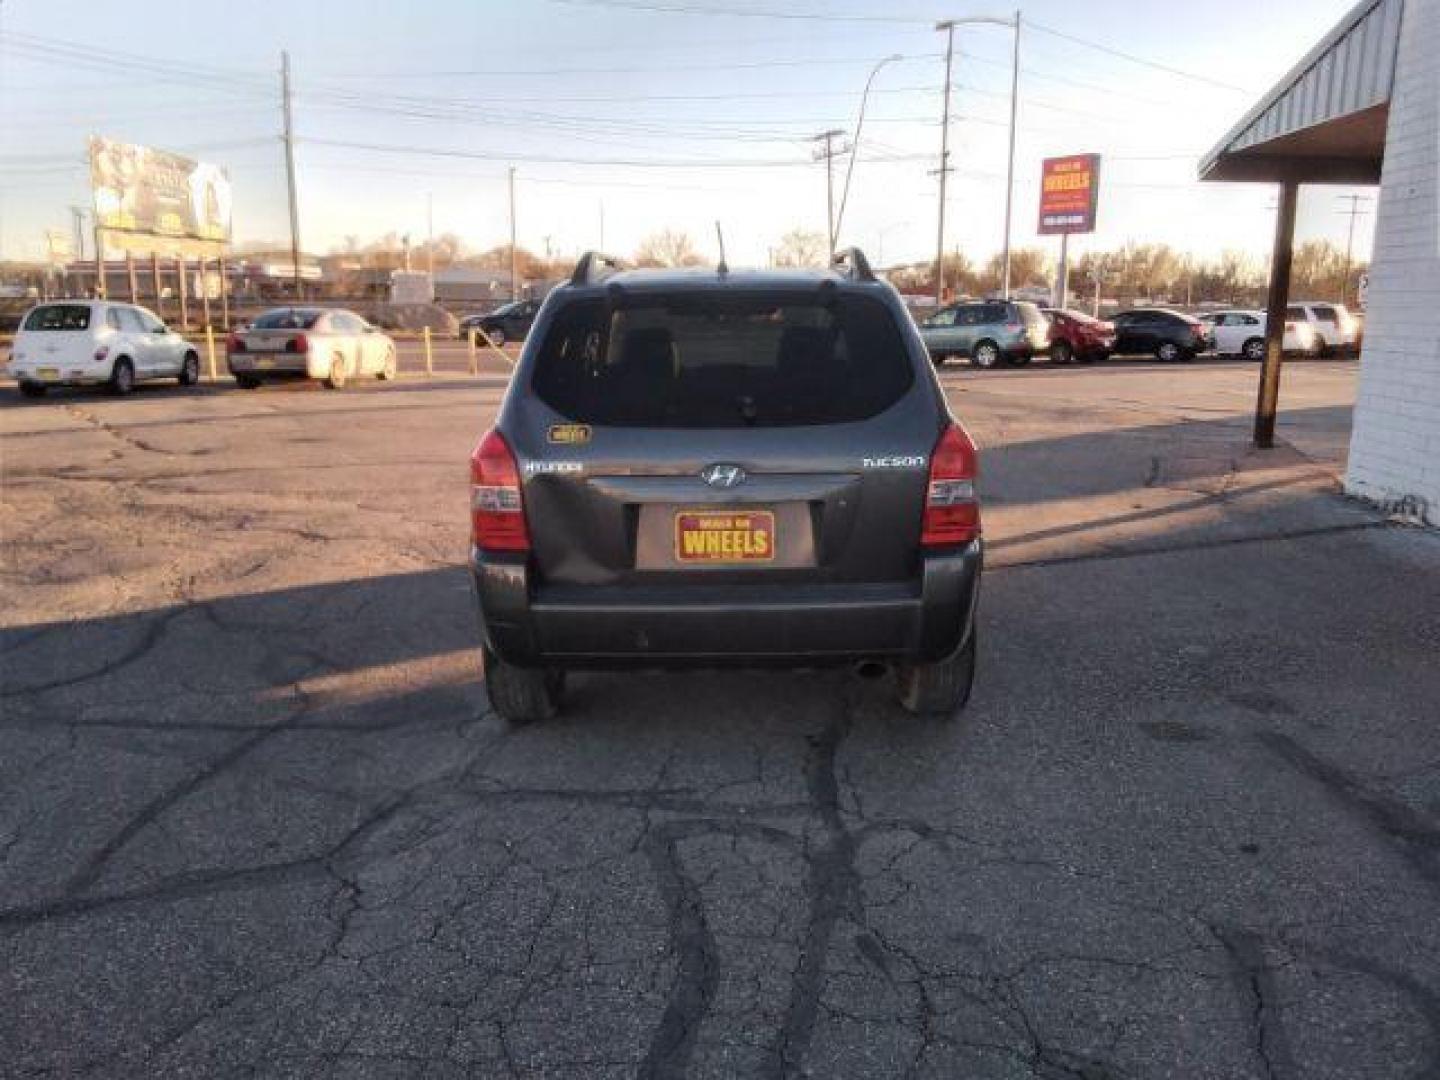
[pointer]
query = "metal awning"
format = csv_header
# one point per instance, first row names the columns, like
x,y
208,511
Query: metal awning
x,y
1324,122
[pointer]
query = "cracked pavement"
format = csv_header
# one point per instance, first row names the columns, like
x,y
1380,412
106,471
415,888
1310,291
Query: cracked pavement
x,y
256,818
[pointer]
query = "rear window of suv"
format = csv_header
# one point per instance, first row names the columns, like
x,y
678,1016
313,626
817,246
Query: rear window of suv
x,y
717,360
59,317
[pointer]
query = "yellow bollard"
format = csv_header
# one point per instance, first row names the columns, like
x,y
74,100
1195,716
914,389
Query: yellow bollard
x,y
474,360
429,356
210,348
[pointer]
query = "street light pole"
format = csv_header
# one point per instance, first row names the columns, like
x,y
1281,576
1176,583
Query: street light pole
x,y
949,28
855,143
1010,166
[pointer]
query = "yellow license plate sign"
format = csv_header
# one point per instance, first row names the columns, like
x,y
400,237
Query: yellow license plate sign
x,y
48,372
724,536
264,363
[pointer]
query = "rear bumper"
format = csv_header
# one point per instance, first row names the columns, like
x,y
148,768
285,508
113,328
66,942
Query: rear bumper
x,y
921,620
262,365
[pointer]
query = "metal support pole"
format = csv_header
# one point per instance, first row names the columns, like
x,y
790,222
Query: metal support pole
x,y
429,356
100,289
1010,166
514,256
289,138
210,348
949,28
1062,273
184,292
155,284
1268,400
204,292
224,293
474,359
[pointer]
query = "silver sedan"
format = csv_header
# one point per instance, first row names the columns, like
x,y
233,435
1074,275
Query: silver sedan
x,y
330,344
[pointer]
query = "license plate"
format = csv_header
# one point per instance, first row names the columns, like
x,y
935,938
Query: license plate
x,y
724,536
264,363
48,372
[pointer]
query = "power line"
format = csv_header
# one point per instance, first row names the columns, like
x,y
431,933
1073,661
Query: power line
x,y
627,70
1132,58
801,16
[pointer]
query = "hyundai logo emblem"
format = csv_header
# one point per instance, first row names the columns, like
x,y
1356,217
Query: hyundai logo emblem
x,y
722,476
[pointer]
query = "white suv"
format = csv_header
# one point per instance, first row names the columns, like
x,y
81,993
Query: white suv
x,y
88,342
1337,329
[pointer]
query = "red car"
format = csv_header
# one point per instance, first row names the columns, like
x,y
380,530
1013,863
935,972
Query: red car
x,y
1074,336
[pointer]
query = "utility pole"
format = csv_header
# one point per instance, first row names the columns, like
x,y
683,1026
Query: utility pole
x,y
77,219
430,238
290,169
827,154
514,258
949,28
1010,167
1354,212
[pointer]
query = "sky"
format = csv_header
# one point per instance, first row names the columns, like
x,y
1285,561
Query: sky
x,y
624,117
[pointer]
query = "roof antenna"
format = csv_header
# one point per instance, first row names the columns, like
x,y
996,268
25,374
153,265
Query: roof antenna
x,y
722,268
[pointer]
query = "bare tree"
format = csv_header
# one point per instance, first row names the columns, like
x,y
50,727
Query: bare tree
x,y
801,247
668,247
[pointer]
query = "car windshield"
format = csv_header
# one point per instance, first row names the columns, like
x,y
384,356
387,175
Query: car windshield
x,y
59,317
286,319
711,359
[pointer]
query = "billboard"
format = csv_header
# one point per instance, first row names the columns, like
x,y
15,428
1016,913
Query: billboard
x,y
1069,194
156,193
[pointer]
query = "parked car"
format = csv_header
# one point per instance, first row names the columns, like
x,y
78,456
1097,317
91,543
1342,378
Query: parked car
x,y
1166,334
316,343
1337,329
508,322
1242,333
989,332
703,469
1076,336
95,342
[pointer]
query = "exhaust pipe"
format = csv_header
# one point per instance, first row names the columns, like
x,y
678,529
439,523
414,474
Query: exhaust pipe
x,y
870,669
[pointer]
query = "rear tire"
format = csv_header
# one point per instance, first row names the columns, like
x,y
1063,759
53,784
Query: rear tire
x,y
1168,352
986,355
496,336
33,389
1253,349
940,690
1061,353
521,695
190,370
388,368
122,377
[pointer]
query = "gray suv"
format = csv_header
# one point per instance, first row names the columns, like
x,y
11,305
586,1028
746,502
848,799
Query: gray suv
x,y
699,468
989,332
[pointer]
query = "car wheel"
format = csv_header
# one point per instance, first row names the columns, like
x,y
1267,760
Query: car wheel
x,y
1168,351
938,359
33,389
1253,349
336,378
190,369
496,336
986,355
1061,353
388,368
122,377
941,689
521,695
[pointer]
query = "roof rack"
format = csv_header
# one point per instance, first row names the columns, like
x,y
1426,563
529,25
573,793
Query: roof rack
x,y
593,268
852,261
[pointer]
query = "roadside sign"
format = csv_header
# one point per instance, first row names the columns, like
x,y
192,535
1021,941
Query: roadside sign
x,y
1069,194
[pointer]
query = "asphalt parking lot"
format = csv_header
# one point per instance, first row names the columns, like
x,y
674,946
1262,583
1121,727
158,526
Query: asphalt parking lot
x,y
256,818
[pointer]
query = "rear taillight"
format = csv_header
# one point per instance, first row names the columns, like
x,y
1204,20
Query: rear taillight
x,y
497,515
1289,328
234,343
299,344
952,513
101,353
1014,327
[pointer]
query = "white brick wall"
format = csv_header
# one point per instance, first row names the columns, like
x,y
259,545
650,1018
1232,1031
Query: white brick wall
x,y
1395,446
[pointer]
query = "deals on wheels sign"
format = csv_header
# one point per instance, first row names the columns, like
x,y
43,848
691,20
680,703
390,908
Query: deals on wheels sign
x,y
154,192
1069,193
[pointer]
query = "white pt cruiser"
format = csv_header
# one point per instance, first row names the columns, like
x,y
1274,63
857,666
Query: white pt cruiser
x,y
95,342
